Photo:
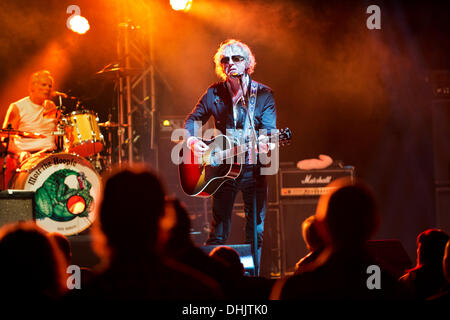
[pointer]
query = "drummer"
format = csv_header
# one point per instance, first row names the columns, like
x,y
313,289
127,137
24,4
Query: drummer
x,y
36,114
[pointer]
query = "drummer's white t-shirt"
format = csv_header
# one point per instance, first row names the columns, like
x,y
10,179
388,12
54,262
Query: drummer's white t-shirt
x,y
32,120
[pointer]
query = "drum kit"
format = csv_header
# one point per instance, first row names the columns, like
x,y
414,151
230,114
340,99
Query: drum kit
x,y
66,182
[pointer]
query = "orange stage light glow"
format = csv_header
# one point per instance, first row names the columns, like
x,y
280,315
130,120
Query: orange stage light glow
x,y
53,57
79,24
179,5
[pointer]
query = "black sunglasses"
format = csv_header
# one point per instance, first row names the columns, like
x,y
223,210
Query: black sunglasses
x,y
235,59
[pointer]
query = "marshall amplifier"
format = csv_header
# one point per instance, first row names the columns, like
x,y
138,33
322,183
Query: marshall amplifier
x,y
299,194
302,183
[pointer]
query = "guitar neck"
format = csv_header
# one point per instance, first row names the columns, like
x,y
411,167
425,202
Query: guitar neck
x,y
236,150
228,153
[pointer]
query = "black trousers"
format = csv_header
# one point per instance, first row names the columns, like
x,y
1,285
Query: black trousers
x,y
223,201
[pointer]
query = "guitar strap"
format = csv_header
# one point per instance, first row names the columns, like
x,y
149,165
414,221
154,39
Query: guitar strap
x,y
249,128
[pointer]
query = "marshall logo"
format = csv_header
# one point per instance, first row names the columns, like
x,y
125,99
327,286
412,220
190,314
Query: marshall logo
x,y
302,183
316,180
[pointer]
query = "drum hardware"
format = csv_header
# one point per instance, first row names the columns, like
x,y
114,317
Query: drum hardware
x,y
78,132
109,124
113,70
12,133
5,156
99,162
7,134
59,132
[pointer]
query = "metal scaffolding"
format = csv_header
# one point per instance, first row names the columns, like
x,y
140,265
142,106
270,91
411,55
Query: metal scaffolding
x,y
135,83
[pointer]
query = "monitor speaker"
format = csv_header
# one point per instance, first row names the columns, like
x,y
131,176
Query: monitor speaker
x,y
245,255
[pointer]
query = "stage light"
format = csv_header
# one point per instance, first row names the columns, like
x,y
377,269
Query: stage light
x,y
166,123
79,24
179,5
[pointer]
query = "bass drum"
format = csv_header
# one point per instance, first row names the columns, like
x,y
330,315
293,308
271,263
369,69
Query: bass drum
x,y
66,190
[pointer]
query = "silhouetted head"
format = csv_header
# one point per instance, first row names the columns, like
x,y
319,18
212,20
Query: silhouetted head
x,y
431,246
63,244
311,234
229,258
130,209
347,215
30,263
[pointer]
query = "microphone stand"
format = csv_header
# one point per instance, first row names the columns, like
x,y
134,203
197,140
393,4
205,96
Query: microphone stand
x,y
254,168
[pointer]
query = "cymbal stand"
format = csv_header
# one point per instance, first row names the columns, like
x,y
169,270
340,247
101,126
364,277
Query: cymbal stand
x,y
109,149
60,126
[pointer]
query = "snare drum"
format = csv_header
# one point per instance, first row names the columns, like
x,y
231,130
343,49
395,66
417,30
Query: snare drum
x,y
82,134
66,190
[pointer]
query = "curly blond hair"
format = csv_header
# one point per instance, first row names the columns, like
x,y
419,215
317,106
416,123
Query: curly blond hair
x,y
235,46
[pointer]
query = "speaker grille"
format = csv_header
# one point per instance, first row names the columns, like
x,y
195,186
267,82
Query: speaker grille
x,y
16,206
293,247
441,142
443,208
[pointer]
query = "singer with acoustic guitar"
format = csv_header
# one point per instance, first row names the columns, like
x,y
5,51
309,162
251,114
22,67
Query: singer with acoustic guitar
x,y
242,107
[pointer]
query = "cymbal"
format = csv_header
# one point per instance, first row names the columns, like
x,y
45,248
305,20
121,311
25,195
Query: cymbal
x,y
119,70
109,124
17,133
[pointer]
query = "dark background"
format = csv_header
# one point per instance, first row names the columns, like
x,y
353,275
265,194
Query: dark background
x,y
358,95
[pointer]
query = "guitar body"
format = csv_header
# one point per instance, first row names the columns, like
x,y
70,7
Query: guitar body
x,y
200,177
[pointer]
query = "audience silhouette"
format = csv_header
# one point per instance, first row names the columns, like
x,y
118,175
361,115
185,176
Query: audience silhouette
x,y
313,242
144,242
180,247
427,277
63,244
227,270
444,293
31,265
346,218
239,286
66,248
128,238
230,258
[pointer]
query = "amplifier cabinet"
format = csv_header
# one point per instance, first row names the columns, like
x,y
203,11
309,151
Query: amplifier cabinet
x,y
295,183
16,206
299,195
443,208
273,184
292,215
